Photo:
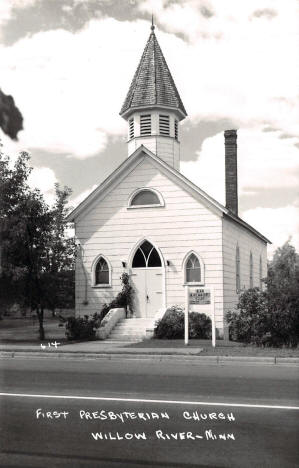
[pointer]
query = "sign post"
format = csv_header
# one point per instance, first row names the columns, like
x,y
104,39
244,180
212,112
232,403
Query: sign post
x,y
213,318
186,315
200,297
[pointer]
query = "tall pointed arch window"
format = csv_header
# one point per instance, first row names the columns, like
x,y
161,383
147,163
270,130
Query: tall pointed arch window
x,y
261,273
193,269
101,272
146,256
238,278
250,270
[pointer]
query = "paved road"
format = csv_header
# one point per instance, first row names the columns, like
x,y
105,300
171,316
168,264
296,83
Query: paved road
x,y
196,419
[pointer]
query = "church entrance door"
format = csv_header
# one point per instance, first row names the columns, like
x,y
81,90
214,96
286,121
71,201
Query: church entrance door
x,y
147,276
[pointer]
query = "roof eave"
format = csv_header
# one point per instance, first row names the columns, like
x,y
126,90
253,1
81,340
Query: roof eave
x,y
247,226
126,113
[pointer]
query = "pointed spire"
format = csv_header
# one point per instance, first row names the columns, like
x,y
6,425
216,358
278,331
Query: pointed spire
x,y
153,26
153,84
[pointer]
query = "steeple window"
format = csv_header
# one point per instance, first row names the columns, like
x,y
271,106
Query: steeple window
x,y
131,128
176,130
164,124
145,124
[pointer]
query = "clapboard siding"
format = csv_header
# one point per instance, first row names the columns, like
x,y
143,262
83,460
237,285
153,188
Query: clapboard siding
x,y
182,225
234,234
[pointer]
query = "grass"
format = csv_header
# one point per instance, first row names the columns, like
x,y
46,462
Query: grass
x,y
24,330
223,348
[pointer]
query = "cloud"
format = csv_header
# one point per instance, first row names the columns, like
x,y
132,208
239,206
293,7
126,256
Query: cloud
x,y
267,12
77,200
233,67
265,161
70,86
43,178
278,224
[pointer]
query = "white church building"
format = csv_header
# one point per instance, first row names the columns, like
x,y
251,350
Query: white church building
x,y
148,220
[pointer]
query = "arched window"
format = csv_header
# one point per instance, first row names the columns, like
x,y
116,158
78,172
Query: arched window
x,y
102,273
261,273
145,198
146,256
193,273
238,279
250,270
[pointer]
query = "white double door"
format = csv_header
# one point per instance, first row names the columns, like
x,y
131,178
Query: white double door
x,y
148,291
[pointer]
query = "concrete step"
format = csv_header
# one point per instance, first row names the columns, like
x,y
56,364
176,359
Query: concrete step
x,y
121,340
124,335
130,328
127,337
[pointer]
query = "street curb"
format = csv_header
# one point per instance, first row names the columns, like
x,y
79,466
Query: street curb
x,y
194,359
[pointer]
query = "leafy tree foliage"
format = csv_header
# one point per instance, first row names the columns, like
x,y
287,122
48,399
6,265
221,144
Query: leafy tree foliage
x,y
11,119
36,256
271,317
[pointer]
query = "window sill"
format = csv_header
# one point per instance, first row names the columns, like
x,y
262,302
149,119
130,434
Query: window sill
x,y
134,207
101,286
193,284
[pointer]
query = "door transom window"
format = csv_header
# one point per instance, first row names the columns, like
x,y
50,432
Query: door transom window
x,y
146,256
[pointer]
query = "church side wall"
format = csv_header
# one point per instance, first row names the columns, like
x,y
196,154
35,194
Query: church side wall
x,y
182,225
234,235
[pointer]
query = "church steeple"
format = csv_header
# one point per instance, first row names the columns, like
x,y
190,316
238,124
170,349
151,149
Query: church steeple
x,y
153,106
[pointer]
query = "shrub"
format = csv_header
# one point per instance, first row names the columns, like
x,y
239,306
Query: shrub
x,y
123,299
172,325
261,322
200,326
249,323
82,328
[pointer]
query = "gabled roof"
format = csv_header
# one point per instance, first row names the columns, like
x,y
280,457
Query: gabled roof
x,y
152,83
134,159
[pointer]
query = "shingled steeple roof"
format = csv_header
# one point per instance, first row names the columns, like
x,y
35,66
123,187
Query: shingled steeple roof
x,y
153,84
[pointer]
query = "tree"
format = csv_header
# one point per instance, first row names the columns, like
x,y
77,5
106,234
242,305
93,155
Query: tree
x,y
283,292
35,250
11,119
271,317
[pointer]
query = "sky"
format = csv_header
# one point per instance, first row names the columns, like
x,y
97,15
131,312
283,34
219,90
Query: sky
x,y
69,64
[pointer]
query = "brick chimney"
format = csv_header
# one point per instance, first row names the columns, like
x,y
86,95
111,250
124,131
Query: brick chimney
x,y
231,171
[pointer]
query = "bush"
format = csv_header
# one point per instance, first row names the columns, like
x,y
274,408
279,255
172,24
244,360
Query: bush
x,y
249,323
172,325
123,299
82,328
259,321
200,326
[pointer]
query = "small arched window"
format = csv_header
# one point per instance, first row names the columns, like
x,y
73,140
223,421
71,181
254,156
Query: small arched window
x,y
145,198
238,279
193,272
250,270
102,273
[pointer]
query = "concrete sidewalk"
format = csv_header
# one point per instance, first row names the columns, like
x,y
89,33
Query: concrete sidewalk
x,y
105,350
